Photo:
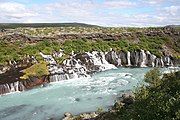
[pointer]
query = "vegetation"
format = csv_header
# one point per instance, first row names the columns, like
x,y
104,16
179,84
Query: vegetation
x,y
18,50
132,39
36,25
36,70
153,44
160,100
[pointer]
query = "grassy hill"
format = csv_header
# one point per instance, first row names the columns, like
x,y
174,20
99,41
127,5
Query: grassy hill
x,y
36,25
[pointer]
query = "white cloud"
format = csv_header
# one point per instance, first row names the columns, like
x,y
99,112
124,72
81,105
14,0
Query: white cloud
x,y
119,4
173,10
11,7
106,13
154,2
15,10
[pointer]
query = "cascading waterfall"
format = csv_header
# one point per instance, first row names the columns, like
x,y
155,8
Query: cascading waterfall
x,y
168,61
118,59
16,86
98,59
153,57
112,57
136,58
143,57
81,65
157,62
128,59
11,87
162,62
48,58
7,86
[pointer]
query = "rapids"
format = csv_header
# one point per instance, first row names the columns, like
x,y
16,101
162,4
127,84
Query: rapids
x,y
74,95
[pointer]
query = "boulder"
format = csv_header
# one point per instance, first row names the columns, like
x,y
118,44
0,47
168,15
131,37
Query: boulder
x,y
128,98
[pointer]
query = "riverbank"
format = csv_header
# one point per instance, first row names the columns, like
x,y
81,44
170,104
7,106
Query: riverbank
x,y
158,100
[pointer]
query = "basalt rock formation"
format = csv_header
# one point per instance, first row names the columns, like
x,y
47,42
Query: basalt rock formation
x,y
80,65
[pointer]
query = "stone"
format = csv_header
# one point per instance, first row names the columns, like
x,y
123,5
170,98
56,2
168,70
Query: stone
x,y
128,98
77,99
67,114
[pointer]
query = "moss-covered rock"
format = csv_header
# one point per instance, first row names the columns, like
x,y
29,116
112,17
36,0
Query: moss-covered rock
x,y
36,70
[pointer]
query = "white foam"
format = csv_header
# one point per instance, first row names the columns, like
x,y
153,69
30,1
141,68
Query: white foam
x,y
128,59
98,58
143,63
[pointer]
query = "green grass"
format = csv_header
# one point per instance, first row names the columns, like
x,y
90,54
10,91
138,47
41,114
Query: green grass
x,y
18,50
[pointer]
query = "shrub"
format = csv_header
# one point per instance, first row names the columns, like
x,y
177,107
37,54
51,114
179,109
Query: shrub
x,y
153,77
36,70
155,102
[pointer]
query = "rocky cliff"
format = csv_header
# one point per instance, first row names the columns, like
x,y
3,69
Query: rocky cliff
x,y
80,65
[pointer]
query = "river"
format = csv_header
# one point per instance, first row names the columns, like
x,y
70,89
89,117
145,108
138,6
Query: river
x,y
74,95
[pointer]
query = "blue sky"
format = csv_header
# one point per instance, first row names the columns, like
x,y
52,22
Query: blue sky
x,y
100,12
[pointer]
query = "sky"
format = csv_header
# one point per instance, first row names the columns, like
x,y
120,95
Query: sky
x,y
136,13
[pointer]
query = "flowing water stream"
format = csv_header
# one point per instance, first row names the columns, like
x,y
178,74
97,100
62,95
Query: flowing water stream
x,y
74,95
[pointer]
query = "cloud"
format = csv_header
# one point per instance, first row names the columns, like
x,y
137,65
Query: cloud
x,y
119,4
11,7
106,12
173,10
154,2
15,10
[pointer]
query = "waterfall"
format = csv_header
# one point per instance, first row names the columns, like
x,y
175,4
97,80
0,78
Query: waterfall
x,y
128,59
119,62
21,87
103,58
136,58
168,61
67,62
98,59
67,76
157,62
34,59
171,63
81,65
11,87
162,62
77,65
112,58
153,57
116,58
57,77
8,88
143,58
16,86
48,58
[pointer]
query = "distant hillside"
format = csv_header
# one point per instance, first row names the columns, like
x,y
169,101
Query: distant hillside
x,y
173,26
36,25
177,27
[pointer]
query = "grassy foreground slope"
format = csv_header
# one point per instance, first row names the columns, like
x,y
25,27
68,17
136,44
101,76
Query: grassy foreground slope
x,y
160,100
